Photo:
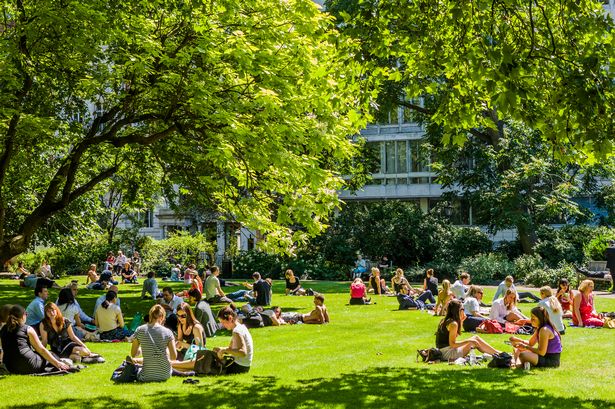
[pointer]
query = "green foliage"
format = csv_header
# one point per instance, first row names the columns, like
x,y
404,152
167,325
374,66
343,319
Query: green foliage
x,y
526,265
460,242
246,105
180,247
32,261
551,276
487,268
273,265
247,262
595,248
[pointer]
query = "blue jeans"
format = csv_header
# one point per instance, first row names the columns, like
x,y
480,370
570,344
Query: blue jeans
x,y
241,295
427,295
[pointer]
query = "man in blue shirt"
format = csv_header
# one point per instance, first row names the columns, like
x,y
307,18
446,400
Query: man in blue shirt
x,y
101,299
36,309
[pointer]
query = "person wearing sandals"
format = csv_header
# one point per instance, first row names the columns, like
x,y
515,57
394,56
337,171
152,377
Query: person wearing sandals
x,y
156,344
449,329
23,352
189,331
57,331
547,353
109,320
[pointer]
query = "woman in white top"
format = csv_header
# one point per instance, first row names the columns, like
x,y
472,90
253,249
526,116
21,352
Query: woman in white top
x,y
550,303
109,319
505,310
471,305
240,347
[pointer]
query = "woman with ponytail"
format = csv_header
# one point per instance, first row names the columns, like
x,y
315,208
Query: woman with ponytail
x,y
547,353
109,319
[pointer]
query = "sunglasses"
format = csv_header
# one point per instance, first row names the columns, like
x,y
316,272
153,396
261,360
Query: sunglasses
x,y
181,315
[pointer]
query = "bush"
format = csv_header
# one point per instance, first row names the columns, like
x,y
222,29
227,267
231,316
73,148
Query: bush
x,y
526,264
247,262
443,270
511,249
487,268
32,261
595,248
553,247
460,242
180,248
551,276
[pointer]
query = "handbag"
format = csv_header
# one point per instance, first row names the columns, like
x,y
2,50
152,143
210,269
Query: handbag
x,y
208,363
490,327
192,350
127,373
429,355
501,360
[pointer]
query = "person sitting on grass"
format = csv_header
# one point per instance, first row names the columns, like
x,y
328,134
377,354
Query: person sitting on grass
x,y
547,353
128,274
155,345
57,331
203,313
358,293
319,314
110,321
583,312
170,303
430,283
23,352
213,291
445,295
448,331
399,282
407,301
4,315
103,297
293,286
507,284
460,287
189,330
471,305
35,312
553,307
195,284
565,296
150,286
505,310
70,310
240,348
91,275
377,285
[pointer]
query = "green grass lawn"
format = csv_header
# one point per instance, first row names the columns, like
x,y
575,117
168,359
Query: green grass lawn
x,y
364,358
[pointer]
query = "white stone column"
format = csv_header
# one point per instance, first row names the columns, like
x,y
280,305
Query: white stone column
x,y
220,242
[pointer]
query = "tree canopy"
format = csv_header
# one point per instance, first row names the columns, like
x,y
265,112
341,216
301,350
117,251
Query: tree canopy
x,y
548,64
244,104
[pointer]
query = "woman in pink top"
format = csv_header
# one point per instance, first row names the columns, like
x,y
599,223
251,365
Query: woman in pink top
x,y
583,312
358,292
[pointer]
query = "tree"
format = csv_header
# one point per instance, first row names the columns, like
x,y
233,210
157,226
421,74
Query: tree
x,y
495,79
245,105
545,63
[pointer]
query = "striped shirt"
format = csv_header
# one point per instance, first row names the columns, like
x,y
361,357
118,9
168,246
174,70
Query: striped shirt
x,y
154,340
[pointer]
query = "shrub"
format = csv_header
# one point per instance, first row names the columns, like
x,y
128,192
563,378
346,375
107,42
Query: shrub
x,y
551,276
247,262
180,248
487,268
553,247
460,242
526,265
511,249
443,270
595,248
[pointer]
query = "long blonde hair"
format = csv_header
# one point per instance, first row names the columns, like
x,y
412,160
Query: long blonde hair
x,y
446,288
553,301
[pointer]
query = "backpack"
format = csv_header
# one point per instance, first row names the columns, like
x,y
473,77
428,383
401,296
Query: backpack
x,y
253,320
501,360
208,363
490,327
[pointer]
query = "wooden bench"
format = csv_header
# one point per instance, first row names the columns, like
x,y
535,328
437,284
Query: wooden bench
x,y
597,267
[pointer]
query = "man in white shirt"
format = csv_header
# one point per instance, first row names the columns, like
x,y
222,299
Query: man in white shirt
x,y
460,287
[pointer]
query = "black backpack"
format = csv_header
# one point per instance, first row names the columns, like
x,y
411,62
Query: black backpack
x,y
429,355
501,360
253,320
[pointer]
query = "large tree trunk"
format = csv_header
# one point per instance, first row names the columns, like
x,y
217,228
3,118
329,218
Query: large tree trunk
x,y
13,246
527,236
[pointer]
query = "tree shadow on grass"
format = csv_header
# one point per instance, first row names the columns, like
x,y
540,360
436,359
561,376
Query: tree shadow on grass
x,y
377,387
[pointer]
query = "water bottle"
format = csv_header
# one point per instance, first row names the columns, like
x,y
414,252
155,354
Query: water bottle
x,y
472,357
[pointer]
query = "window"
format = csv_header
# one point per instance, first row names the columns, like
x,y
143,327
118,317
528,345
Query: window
x,y
419,157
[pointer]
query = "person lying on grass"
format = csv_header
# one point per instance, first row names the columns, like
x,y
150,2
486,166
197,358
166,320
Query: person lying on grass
x,y
58,332
240,348
505,310
547,353
23,352
449,329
